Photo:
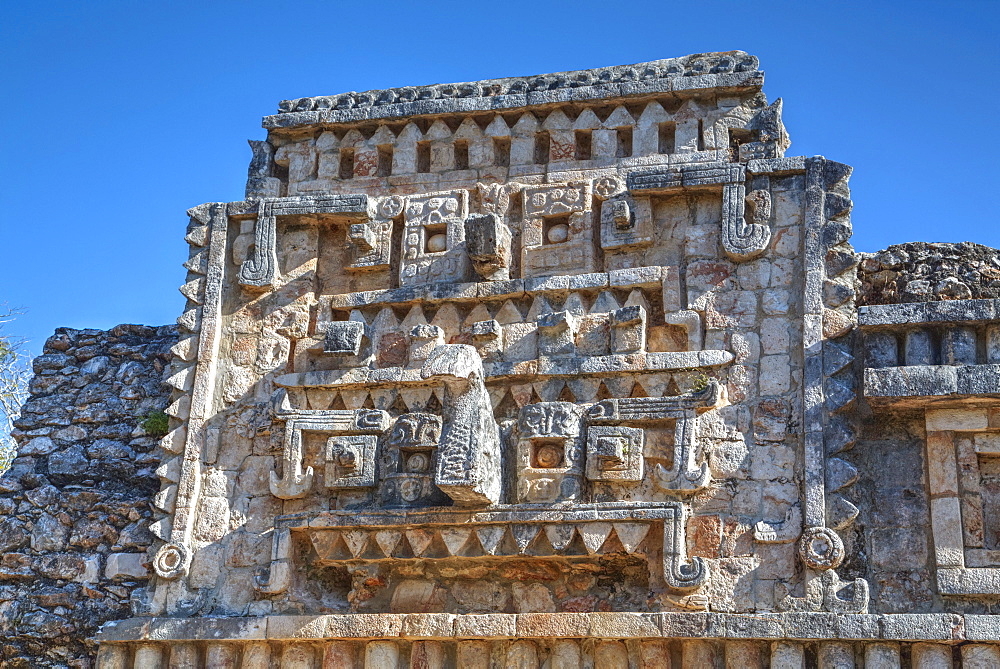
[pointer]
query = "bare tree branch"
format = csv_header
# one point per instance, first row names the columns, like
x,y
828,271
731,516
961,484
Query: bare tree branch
x,y
15,374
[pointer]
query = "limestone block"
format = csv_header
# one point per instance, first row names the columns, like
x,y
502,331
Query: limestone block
x,y
980,656
993,344
946,523
958,346
220,656
698,654
628,329
956,419
474,654
787,655
834,655
522,655
881,349
919,348
297,656
611,654
931,656
112,656
344,338
882,656
654,655
488,243
149,655
183,656
126,566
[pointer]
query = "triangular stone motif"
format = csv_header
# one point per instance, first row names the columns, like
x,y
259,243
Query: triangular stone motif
x,y
387,541
455,538
631,534
594,535
524,535
356,540
559,535
420,540
490,537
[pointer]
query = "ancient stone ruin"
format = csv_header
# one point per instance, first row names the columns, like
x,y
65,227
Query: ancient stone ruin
x,y
574,370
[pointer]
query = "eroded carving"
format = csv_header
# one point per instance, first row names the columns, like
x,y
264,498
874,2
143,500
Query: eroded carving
x,y
549,452
295,482
468,467
434,238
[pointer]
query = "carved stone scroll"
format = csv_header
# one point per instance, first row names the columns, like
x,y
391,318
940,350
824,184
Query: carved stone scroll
x,y
294,482
742,239
680,574
685,475
259,270
468,468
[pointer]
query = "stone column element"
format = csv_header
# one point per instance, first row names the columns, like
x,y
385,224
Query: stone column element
x,y
469,455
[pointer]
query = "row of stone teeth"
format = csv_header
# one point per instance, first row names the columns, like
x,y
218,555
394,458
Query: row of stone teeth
x,y
840,388
590,538
516,396
182,370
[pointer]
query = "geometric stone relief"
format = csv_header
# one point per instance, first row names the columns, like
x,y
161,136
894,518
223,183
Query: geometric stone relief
x,y
685,475
614,453
958,441
434,238
549,453
556,236
500,531
409,461
746,231
260,269
350,460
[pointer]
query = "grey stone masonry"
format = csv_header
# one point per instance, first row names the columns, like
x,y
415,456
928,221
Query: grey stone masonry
x,y
732,69
76,503
574,370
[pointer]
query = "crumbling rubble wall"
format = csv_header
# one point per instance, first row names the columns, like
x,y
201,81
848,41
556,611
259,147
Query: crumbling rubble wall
x,y
75,504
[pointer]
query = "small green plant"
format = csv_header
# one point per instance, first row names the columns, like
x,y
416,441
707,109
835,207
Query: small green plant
x,y
700,382
155,423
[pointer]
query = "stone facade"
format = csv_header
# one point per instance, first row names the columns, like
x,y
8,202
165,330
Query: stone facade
x,y
568,371
75,504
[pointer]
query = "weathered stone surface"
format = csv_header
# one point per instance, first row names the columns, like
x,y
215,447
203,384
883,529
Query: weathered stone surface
x,y
553,371
62,559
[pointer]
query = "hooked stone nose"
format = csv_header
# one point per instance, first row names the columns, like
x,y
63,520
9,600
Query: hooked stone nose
x,y
459,361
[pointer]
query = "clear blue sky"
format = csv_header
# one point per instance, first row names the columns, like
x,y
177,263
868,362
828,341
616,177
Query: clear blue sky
x,y
121,115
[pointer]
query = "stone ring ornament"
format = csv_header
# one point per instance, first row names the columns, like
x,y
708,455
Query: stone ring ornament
x,y
171,561
391,207
605,187
821,548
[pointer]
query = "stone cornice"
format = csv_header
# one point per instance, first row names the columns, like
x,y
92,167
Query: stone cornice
x,y
947,627
727,70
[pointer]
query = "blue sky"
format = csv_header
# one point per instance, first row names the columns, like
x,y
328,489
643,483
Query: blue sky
x,y
121,115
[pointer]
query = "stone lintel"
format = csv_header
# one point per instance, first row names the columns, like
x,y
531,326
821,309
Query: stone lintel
x,y
944,627
932,382
918,313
